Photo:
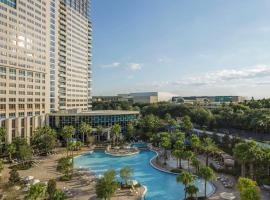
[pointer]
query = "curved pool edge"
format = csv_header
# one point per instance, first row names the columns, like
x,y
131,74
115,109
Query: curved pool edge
x,y
155,167
144,192
166,171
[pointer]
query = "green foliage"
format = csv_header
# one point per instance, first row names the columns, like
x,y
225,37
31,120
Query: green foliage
x,y
195,142
126,173
59,195
36,191
44,140
85,129
187,124
207,174
186,178
191,190
14,177
67,132
106,186
65,166
130,131
24,151
248,189
150,123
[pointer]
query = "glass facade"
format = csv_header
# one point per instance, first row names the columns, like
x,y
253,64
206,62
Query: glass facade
x,y
59,122
82,6
11,3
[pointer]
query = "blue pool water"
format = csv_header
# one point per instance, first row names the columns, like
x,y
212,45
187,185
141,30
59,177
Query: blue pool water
x,y
160,185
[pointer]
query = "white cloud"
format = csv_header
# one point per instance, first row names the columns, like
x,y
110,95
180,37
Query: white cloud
x,y
135,66
112,65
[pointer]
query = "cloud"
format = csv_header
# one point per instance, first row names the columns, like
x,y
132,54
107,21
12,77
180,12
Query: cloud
x,y
135,66
112,65
250,76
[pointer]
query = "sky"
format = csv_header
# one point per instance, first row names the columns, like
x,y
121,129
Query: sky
x,y
181,47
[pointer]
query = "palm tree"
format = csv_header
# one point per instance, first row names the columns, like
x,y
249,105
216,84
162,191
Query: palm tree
x,y
207,174
188,155
67,133
191,190
85,129
116,129
240,153
195,142
165,144
248,189
196,164
186,178
209,147
125,173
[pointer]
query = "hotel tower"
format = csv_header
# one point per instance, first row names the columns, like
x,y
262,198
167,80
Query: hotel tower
x,y
45,61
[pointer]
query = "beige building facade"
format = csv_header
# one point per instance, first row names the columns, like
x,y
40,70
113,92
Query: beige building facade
x,y
45,61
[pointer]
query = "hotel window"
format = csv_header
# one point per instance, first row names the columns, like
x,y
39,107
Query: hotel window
x,y
3,84
12,71
2,106
21,106
3,70
12,92
12,106
2,91
29,105
13,85
2,116
12,100
21,114
29,114
12,115
2,99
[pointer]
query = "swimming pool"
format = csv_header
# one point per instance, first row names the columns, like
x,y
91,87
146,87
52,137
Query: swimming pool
x,y
160,185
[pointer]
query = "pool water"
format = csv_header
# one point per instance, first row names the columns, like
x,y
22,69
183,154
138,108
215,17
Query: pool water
x,y
160,185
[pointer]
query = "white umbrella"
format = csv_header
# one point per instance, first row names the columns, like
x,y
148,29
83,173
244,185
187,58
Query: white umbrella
x,y
227,196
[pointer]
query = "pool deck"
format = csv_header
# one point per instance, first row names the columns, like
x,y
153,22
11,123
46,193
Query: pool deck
x,y
82,185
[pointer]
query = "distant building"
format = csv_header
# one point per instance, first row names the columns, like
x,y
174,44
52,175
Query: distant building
x,y
142,97
108,99
208,101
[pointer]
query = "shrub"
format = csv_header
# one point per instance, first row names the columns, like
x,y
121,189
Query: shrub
x,y
51,188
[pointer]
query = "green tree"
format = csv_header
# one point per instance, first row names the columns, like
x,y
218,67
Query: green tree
x,y
65,166
191,190
187,124
67,132
248,189
106,186
188,155
99,132
179,155
36,191
165,144
207,174
208,147
85,129
196,164
186,178
11,150
240,153
195,142
116,130
44,140
130,131
126,173
59,195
